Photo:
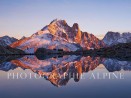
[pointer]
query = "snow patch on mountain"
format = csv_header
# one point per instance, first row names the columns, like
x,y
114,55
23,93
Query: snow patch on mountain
x,y
59,35
46,40
6,40
113,38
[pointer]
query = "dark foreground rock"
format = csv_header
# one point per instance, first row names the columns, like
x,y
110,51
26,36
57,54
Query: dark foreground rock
x,y
10,51
7,58
120,51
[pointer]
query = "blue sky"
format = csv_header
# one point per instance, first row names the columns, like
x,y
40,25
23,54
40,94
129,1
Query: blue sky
x,y
24,17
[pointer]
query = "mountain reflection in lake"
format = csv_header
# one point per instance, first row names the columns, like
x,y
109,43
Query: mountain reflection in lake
x,y
95,77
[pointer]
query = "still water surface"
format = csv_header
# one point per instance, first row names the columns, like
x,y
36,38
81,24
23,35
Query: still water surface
x,y
65,77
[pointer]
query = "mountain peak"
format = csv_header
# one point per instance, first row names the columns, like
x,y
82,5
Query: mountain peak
x,y
58,34
53,21
113,38
58,21
6,36
75,26
6,40
111,32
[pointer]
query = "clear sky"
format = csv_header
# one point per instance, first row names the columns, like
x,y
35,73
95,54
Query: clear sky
x,y
24,17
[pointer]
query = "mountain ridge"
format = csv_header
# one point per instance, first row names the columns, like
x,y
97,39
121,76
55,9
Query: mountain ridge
x,y
58,34
7,40
113,38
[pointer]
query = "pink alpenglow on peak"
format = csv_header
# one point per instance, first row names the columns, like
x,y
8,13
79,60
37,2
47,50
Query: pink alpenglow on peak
x,y
59,35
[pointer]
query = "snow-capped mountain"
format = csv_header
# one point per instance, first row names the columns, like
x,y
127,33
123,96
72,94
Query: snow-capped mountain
x,y
6,40
74,34
113,38
58,34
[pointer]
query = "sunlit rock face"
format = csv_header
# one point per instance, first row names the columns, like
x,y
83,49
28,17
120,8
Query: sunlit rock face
x,y
58,34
